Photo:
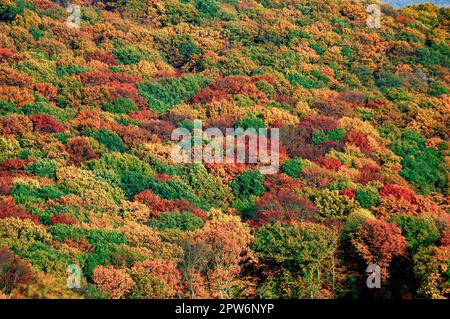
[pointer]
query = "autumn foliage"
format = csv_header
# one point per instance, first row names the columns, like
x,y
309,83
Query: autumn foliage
x,y
87,175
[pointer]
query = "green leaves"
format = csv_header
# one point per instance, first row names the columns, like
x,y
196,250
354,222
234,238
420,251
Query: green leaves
x,y
108,138
184,221
321,136
419,231
293,167
120,106
248,184
164,94
421,165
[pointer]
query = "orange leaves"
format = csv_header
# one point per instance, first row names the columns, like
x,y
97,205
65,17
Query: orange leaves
x,y
5,54
158,205
227,237
91,119
115,282
46,90
15,125
166,274
11,77
16,95
225,88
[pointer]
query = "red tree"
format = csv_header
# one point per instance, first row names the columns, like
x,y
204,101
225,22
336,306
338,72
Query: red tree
x,y
358,139
46,123
378,242
14,271
103,57
329,163
399,192
63,219
9,209
80,150
14,164
283,207
5,55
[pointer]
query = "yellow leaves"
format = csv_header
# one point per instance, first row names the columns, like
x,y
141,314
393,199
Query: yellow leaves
x,y
8,147
46,287
141,235
273,114
221,109
190,111
349,124
97,193
157,151
226,235
101,220
23,231
147,239
303,110
150,70
427,122
135,212
27,19
427,13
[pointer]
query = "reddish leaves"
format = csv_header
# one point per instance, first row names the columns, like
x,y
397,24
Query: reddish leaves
x,y
282,207
358,139
161,128
14,164
46,90
225,88
94,78
103,57
350,193
13,271
5,55
370,172
158,205
80,150
9,209
379,242
329,163
399,192
46,123
63,219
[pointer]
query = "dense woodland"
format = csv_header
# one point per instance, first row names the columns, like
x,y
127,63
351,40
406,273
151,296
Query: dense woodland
x,y
86,176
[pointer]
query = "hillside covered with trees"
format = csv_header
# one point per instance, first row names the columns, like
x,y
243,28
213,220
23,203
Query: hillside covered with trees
x,y
86,176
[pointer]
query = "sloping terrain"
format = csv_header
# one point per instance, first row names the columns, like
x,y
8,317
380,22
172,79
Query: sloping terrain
x,y
88,185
